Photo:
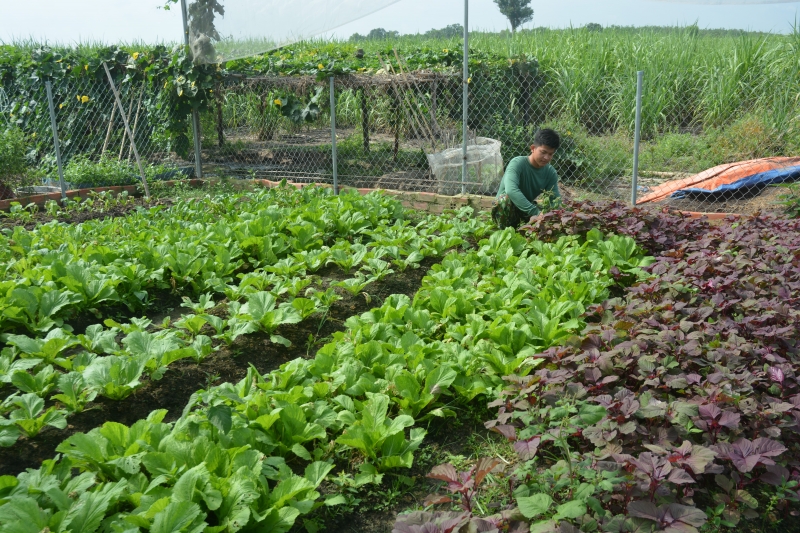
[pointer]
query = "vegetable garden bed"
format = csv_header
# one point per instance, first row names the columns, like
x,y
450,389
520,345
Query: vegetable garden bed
x,y
638,393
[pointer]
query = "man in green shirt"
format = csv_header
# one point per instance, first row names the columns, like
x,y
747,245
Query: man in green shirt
x,y
527,177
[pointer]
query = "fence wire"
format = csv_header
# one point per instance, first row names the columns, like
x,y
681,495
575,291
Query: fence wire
x,y
95,147
403,131
697,144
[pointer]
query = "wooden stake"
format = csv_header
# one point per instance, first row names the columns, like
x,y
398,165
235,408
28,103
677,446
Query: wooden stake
x,y
136,120
108,133
127,119
414,105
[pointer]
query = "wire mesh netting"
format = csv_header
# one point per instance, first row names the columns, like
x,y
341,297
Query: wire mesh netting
x,y
249,27
391,126
401,130
720,150
251,131
95,147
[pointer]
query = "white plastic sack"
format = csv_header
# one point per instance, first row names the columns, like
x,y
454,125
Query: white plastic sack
x,y
484,167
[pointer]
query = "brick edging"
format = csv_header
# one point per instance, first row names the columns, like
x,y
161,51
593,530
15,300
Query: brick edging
x,y
420,201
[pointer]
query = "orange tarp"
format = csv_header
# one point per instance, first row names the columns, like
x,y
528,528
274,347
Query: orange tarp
x,y
720,175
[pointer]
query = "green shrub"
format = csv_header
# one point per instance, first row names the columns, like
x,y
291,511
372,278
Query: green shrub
x,y
582,159
750,137
82,171
678,152
107,171
13,166
605,158
790,200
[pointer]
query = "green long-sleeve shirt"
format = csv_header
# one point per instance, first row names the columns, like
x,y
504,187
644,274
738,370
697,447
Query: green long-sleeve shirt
x,y
523,184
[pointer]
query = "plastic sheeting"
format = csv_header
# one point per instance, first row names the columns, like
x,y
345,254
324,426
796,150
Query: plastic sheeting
x,y
251,27
744,178
745,187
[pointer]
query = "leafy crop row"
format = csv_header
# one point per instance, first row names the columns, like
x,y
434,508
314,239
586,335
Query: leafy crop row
x,y
57,271
103,362
230,462
677,407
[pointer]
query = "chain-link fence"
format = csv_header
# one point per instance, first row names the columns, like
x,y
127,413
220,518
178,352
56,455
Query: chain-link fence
x,y
281,127
403,130
717,147
95,147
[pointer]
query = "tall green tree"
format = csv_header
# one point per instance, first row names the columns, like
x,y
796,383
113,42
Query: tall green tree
x,y
518,12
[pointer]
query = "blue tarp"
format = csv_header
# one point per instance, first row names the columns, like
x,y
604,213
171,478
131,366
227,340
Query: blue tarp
x,y
748,186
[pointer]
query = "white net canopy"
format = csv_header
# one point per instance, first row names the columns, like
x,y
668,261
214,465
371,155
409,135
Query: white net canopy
x,y
222,30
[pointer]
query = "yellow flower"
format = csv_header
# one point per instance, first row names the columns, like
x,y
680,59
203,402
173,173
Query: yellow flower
x,y
84,99
135,56
86,67
60,106
33,134
320,66
469,80
277,102
445,51
78,97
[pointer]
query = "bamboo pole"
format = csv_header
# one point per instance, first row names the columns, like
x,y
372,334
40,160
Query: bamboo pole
x,y
128,129
136,120
110,128
127,120
415,104
399,96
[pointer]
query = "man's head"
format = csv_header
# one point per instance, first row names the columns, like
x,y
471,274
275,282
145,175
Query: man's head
x,y
545,144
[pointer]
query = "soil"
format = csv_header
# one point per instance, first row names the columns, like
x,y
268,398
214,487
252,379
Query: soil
x,y
229,364
379,507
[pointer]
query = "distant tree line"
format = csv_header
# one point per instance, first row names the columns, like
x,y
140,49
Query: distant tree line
x,y
453,30
457,30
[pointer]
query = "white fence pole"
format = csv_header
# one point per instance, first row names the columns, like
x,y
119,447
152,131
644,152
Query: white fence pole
x,y
465,99
55,140
637,134
333,141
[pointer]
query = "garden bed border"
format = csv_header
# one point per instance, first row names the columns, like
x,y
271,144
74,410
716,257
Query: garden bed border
x,y
420,201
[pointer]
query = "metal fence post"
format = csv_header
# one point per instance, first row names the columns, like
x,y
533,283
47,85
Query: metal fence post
x,y
198,163
637,134
465,99
128,130
333,141
55,140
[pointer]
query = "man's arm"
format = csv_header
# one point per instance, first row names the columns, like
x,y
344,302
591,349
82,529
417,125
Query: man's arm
x,y
511,178
552,190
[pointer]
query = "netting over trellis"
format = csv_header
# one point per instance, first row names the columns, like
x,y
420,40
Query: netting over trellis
x,y
244,28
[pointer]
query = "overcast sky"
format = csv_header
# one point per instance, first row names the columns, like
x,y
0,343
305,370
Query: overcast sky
x,y
69,21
